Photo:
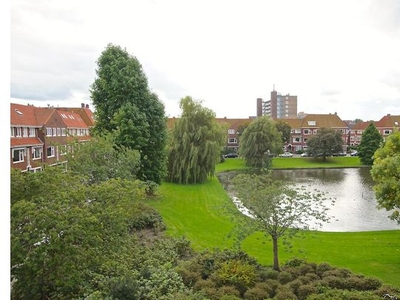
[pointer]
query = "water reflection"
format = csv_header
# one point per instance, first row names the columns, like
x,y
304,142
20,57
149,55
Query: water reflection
x,y
355,207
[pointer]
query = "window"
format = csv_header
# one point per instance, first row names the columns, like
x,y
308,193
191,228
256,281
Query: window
x,y
231,131
307,131
315,131
63,131
25,131
36,152
387,131
18,132
12,132
50,151
32,132
359,131
232,141
58,131
312,123
54,131
18,155
296,139
49,131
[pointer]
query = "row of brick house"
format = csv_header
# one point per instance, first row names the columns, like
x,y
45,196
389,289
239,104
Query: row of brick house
x,y
43,135
307,126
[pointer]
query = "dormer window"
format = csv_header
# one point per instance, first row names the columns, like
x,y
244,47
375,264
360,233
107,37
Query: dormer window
x,y
312,123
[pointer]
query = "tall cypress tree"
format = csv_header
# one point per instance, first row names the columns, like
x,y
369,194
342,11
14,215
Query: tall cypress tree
x,y
371,140
125,106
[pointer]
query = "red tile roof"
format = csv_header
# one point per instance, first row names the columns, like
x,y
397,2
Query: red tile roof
x,y
32,141
71,120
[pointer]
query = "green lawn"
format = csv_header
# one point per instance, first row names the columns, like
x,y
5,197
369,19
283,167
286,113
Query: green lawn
x,y
196,212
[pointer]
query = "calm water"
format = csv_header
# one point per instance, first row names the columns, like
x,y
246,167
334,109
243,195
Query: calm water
x,y
355,207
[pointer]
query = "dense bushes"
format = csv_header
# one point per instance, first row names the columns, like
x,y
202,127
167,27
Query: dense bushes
x,y
237,276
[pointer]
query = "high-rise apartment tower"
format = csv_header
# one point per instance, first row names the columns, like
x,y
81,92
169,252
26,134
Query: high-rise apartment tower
x,y
278,107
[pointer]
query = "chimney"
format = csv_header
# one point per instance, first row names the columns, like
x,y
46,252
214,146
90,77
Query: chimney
x,y
87,105
82,105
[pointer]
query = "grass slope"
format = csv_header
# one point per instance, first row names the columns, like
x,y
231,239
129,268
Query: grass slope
x,y
196,212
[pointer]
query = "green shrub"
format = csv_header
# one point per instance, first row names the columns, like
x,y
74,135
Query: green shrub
x,y
322,268
285,277
269,274
306,290
203,284
294,285
337,272
229,291
260,291
237,273
334,294
335,282
146,218
284,293
361,283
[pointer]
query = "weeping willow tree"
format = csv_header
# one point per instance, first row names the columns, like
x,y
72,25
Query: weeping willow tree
x,y
196,144
260,139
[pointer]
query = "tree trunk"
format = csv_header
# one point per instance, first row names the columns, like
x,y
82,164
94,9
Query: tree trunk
x,y
276,258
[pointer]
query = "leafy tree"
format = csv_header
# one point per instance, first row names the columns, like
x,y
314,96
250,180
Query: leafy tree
x,y
196,144
326,142
101,159
278,209
242,127
125,105
385,171
285,130
371,140
259,138
56,238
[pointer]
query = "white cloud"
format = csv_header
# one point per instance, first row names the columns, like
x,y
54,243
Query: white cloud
x,y
334,55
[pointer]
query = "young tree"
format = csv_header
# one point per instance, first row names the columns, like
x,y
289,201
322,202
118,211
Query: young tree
x,y
385,171
371,140
326,142
125,105
196,144
260,138
278,209
100,159
285,130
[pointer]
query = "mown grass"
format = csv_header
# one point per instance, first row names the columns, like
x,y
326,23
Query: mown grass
x,y
197,212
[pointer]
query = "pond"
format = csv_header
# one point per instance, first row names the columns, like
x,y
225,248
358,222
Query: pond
x,y
355,207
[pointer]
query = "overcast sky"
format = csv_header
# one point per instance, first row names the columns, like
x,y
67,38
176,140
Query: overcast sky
x,y
335,55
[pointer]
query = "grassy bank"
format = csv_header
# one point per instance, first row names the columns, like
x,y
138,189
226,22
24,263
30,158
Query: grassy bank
x,y
196,212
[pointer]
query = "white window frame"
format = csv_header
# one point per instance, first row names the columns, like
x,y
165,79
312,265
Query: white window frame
x,y
387,131
307,131
18,132
25,132
37,152
32,132
52,151
49,131
12,131
232,140
18,153
231,131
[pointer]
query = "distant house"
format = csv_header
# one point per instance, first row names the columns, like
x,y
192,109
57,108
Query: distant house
x,y
386,125
42,136
303,129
